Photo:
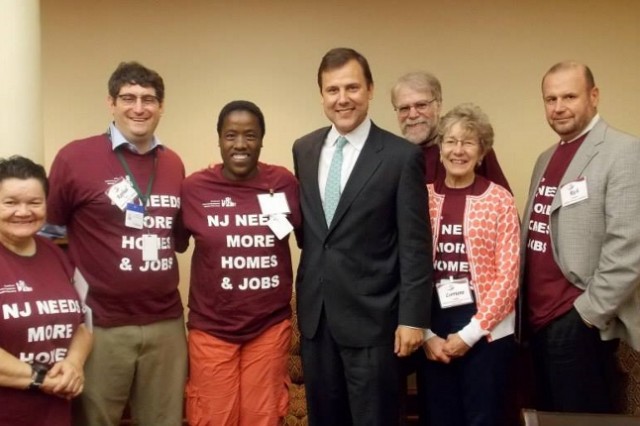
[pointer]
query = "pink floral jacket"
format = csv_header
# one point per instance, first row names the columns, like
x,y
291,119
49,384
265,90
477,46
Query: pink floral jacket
x,y
492,235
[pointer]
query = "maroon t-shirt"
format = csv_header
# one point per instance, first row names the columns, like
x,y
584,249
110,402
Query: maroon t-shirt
x,y
451,252
241,275
549,293
123,289
451,260
40,313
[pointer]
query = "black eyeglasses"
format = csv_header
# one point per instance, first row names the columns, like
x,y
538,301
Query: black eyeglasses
x,y
147,100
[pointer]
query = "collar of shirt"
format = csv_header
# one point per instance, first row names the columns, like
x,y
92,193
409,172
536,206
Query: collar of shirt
x,y
356,138
590,126
118,139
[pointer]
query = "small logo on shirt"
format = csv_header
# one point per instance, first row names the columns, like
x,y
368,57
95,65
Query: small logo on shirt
x,y
117,179
20,286
225,202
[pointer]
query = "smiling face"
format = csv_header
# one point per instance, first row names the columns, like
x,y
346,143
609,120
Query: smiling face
x,y
136,112
418,113
460,152
346,96
22,210
569,102
240,143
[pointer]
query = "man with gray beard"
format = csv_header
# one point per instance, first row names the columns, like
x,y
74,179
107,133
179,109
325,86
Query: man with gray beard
x,y
417,99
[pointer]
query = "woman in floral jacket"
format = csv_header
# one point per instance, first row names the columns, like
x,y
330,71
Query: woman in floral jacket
x,y
476,260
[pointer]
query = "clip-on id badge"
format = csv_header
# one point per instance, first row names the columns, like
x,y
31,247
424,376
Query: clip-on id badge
x,y
150,247
134,216
121,193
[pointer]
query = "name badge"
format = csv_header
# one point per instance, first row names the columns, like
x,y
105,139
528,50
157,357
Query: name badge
x,y
134,216
150,247
121,193
280,225
454,292
574,192
273,203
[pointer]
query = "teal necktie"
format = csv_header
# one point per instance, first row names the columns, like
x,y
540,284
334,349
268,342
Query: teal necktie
x,y
332,189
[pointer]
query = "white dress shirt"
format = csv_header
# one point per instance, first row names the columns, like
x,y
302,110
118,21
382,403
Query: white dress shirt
x,y
351,151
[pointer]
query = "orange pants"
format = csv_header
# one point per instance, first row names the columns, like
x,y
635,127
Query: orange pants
x,y
239,384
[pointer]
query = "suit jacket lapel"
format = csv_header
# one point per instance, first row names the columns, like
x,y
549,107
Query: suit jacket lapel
x,y
312,156
586,152
367,163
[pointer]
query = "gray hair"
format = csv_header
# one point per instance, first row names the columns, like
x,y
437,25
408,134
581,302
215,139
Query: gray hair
x,y
420,81
472,119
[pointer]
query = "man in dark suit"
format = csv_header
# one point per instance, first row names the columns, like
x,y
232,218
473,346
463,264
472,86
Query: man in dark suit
x,y
364,281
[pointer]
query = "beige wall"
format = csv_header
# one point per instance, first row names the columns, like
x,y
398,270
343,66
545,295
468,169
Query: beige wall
x,y
210,52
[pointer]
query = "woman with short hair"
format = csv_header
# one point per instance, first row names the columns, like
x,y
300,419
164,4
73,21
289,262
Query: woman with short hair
x,y
43,341
476,262
240,214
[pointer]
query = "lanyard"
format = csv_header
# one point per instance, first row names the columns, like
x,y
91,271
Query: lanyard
x,y
146,196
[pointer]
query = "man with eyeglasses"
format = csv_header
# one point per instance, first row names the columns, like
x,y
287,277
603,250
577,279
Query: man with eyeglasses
x,y
417,99
118,193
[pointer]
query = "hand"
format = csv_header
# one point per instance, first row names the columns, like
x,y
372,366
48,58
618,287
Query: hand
x,y
433,348
584,320
48,384
408,340
65,379
455,347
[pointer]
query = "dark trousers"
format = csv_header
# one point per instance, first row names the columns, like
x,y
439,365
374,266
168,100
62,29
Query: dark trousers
x,y
575,370
470,391
416,364
349,386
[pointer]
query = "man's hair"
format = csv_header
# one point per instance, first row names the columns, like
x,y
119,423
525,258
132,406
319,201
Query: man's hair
x,y
419,81
338,57
472,119
135,73
568,65
247,106
17,167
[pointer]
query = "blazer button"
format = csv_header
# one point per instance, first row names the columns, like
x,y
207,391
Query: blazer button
x,y
326,247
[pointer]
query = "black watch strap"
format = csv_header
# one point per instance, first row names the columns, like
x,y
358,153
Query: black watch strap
x,y
38,373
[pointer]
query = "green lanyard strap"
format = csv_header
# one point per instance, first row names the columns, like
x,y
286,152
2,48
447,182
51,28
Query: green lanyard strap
x,y
144,198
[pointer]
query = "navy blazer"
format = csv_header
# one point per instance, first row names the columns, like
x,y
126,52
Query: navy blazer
x,y
371,269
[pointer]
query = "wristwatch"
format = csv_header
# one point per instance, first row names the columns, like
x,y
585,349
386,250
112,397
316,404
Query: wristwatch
x,y
38,373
